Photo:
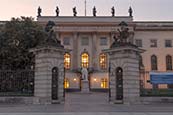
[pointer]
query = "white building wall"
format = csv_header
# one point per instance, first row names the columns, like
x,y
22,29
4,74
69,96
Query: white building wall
x,y
160,51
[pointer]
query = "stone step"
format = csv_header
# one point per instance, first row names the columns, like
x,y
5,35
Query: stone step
x,y
118,102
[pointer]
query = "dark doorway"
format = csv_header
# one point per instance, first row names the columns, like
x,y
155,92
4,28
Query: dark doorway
x,y
119,83
55,83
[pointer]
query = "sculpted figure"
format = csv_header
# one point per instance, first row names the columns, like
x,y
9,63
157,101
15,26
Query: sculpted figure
x,y
94,11
39,11
51,38
113,11
84,72
57,11
123,34
74,11
130,12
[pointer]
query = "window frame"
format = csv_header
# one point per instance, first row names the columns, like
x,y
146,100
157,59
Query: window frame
x,y
85,64
66,43
168,62
153,43
83,41
154,66
140,43
67,65
103,41
167,46
103,65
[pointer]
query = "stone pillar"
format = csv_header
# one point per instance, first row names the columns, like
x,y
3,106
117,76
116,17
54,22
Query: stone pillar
x,y
127,58
94,51
75,51
85,86
47,58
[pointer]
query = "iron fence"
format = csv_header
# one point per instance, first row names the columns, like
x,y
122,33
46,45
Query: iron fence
x,y
16,83
149,89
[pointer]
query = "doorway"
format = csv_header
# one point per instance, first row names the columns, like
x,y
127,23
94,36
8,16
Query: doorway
x,y
119,83
55,83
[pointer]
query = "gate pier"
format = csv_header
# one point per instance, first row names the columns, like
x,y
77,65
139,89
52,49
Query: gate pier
x,y
49,75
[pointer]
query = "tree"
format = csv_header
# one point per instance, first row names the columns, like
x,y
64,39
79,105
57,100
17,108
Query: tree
x,y
16,38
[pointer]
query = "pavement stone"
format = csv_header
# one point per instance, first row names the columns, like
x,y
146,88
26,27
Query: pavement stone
x,y
90,113
86,104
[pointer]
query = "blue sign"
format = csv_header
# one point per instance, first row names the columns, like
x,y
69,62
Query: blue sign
x,y
161,78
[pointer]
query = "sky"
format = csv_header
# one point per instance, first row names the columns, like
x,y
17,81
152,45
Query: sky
x,y
143,10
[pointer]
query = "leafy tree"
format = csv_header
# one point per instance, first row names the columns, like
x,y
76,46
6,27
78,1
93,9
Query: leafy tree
x,y
16,38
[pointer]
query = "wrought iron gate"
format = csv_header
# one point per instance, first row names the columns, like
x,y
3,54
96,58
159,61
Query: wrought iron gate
x,y
119,83
16,83
55,83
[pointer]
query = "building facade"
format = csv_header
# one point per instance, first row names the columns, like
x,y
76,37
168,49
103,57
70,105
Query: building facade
x,y
87,37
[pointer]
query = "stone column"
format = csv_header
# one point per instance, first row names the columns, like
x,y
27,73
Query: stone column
x,y
94,51
127,58
75,50
46,58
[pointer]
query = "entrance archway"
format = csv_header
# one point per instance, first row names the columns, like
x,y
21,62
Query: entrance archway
x,y
119,83
55,83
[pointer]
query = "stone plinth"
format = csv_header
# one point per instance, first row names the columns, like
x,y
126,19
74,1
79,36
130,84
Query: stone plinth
x,y
47,58
85,86
127,58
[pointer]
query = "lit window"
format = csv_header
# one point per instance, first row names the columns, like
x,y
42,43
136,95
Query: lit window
x,y
85,60
153,62
153,43
67,61
103,61
66,83
104,83
168,43
66,41
168,62
138,42
103,41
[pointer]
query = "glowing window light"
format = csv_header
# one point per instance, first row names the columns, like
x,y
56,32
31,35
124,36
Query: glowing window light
x,y
103,62
67,60
66,83
104,83
85,60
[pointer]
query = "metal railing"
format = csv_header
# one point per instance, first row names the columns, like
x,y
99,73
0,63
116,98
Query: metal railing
x,y
16,83
149,89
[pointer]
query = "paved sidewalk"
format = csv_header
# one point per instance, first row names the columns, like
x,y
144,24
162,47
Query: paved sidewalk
x,y
90,113
86,104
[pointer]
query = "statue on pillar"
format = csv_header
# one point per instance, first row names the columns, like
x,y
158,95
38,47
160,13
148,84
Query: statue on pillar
x,y
123,35
84,72
113,11
121,38
74,11
130,12
51,39
94,11
57,11
39,11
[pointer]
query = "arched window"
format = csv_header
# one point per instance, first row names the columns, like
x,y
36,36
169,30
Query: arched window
x,y
103,61
168,62
67,60
85,60
153,62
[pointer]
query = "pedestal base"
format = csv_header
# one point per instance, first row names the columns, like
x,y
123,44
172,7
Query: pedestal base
x,y
85,86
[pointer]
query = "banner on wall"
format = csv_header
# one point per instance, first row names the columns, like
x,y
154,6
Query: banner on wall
x,y
161,78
